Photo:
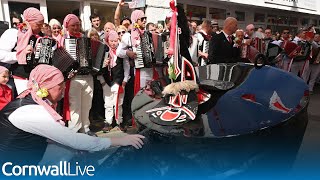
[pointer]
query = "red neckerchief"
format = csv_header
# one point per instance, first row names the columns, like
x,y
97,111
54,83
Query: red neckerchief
x,y
206,36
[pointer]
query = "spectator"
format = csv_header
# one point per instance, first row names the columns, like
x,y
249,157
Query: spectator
x,y
221,49
5,91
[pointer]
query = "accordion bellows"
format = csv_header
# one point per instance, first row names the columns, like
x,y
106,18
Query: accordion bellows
x,y
64,62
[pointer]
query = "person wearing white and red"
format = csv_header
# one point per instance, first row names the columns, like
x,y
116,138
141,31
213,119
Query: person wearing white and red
x,y
28,122
143,75
300,63
204,35
79,91
56,30
5,91
113,81
14,47
314,68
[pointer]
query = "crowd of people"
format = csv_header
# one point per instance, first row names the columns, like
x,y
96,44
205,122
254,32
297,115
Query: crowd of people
x,y
39,90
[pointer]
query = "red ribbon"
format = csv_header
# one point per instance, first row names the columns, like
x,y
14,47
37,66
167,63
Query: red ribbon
x,y
66,103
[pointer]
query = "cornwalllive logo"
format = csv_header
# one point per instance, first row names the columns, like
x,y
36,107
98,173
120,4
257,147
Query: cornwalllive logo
x,y
63,169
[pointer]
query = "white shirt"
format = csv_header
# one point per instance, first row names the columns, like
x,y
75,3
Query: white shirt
x,y
36,120
8,41
122,53
126,67
226,35
124,46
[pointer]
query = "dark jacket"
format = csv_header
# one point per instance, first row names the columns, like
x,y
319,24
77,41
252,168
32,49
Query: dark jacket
x,y
17,145
222,51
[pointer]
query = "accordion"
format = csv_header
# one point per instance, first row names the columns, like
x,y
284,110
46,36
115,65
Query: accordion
x,y
158,45
249,53
145,52
272,51
315,54
161,45
99,53
65,62
290,48
43,48
80,50
259,44
90,54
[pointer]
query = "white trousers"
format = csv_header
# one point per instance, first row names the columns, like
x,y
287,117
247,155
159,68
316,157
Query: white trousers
x,y
314,71
80,99
302,67
146,75
110,95
21,85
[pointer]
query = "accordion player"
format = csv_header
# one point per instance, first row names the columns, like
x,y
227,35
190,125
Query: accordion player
x,y
145,52
203,46
43,48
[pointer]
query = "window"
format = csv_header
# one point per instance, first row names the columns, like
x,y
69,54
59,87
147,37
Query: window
x,y
272,19
196,11
314,22
258,17
293,21
283,20
218,13
304,21
240,16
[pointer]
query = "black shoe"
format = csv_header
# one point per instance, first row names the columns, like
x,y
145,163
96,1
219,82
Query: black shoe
x,y
107,127
123,127
90,133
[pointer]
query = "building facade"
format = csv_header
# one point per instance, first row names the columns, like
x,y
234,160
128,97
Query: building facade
x,y
277,14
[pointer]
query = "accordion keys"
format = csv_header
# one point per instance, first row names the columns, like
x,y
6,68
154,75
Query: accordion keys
x,y
138,62
30,56
205,46
71,47
106,56
80,51
43,51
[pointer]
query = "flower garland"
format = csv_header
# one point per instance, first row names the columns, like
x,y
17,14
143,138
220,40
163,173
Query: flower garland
x,y
23,27
136,25
42,92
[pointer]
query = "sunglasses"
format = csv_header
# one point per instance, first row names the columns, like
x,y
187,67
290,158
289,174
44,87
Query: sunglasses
x,y
143,18
121,32
285,33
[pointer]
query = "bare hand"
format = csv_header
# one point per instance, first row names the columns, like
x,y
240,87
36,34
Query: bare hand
x,y
106,63
131,54
72,74
203,55
248,42
29,49
129,140
121,2
124,84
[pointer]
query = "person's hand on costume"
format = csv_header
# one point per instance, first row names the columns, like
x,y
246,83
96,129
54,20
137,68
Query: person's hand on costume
x,y
248,42
106,62
124,84
129,140
29,49
72,74
203,55
121,3
131,54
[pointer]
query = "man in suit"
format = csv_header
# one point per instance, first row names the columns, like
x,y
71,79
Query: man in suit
x,y
221,48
